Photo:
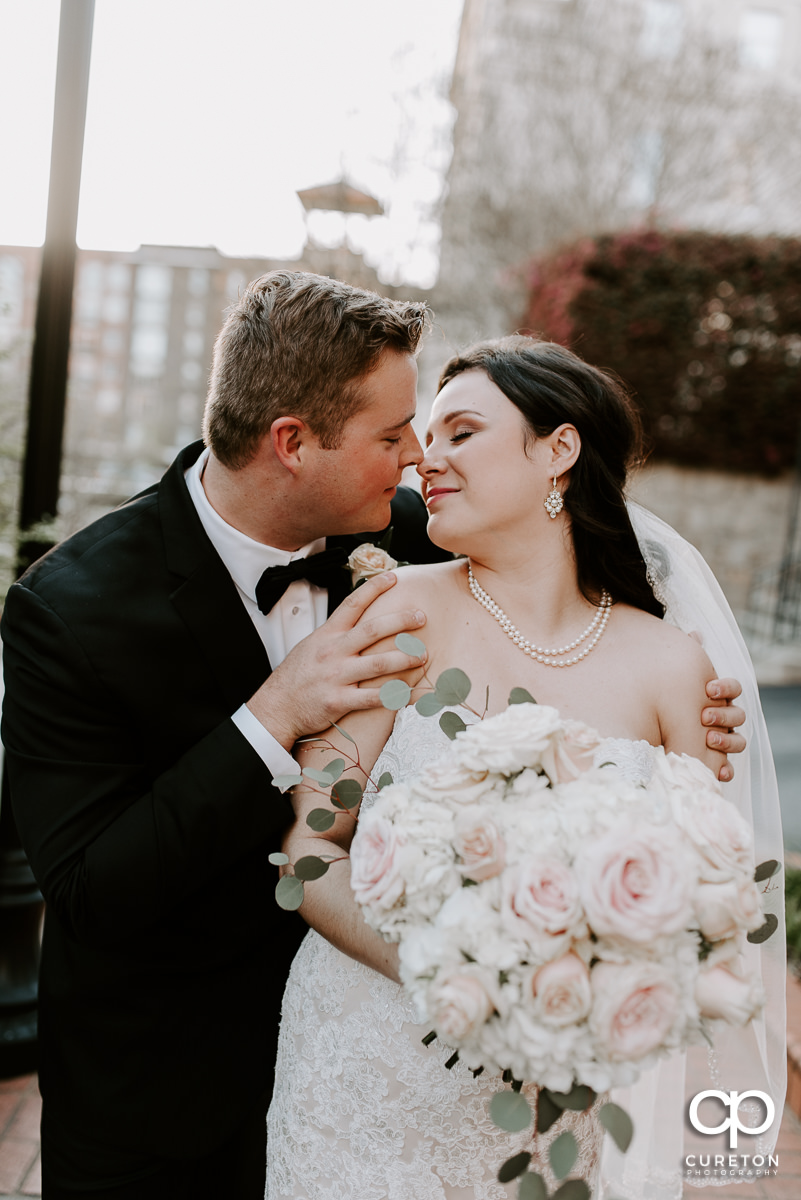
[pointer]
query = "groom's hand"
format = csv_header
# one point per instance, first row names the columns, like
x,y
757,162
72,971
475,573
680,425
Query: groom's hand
x,y
722,717
318,681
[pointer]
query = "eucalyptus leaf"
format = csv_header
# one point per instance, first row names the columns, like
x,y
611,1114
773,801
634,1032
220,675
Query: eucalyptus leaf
x,y
766,870
395,694
618,1123
563,1152
385,780
510,1111
344,733
547,1112
289,893
278,858
578,1099
410,644
320,819
287,781
321,777
428,705
335,768
521,696
765,931
532,1187
514,1166
347,792
311,867
572,1189
452,687
451,723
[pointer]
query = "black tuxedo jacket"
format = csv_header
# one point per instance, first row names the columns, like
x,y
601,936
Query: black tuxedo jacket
x,y
148,818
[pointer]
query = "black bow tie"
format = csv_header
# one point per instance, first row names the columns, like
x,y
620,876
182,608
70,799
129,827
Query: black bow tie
x,y
319,569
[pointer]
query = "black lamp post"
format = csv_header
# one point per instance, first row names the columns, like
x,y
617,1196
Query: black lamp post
x,y
21,905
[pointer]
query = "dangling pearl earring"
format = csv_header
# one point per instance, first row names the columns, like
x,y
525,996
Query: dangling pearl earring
x,y
554,502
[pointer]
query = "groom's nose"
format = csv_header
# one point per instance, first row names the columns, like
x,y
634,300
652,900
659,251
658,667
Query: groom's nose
x,y
412,450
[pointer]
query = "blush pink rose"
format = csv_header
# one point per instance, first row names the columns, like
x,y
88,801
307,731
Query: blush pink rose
x,y
479,844
540,902
461,1000
634,883
375,877
634,1008
723,908
722,995
562,991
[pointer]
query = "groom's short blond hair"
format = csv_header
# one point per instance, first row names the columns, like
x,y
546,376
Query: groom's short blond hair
x,y
299,344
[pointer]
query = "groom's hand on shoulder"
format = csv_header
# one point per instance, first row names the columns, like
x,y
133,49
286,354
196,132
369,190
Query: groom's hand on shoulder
x,y
722,718
318,682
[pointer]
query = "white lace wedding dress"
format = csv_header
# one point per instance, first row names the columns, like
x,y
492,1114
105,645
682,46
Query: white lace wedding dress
x,y
362,1110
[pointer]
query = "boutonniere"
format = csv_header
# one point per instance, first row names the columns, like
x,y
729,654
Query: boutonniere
x,y
368,560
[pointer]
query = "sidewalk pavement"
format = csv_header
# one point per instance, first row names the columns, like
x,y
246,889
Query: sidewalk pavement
x,y
20,1106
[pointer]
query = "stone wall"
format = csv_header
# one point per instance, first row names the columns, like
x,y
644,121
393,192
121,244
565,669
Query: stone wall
x,y
738,522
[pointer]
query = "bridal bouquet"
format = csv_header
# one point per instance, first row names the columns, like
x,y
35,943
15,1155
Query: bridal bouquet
x,y
560,926
566,927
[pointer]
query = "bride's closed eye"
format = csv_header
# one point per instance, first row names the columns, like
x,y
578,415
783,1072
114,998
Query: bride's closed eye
x,y
462,434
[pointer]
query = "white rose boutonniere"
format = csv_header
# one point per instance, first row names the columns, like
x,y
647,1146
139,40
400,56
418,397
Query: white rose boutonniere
x,y
368,560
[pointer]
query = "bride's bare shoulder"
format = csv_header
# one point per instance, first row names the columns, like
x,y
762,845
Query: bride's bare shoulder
x,y
424,586
672,649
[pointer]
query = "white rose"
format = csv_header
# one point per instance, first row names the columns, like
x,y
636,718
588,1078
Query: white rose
x,y
634,883
579,742
368,560
721,836
429,873
723,908
562,991
461,1000
527,785
540,903
470,922
524,735
478,842
722,995
541,1052
634,1008
449,781
374,869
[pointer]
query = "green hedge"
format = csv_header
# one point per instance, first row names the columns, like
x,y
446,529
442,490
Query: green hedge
x,y
705,328
792,901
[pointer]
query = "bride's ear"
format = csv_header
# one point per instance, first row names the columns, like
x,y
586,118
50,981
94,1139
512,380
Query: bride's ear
x,y
565,446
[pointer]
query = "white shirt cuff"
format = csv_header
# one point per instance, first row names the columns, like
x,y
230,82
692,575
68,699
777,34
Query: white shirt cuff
x,y
276,759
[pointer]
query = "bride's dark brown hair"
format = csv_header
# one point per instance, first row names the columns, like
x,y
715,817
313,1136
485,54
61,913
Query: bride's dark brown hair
x,y
551,386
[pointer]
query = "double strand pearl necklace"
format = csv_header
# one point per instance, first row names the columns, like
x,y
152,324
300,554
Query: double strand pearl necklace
x,y
540,653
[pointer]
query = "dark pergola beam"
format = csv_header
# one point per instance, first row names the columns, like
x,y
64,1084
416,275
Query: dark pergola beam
x,y
21,904
48,382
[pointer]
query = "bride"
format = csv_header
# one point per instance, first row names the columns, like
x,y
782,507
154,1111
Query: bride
x,y
523,475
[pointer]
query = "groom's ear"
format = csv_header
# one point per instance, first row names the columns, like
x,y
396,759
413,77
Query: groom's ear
x,y
287,436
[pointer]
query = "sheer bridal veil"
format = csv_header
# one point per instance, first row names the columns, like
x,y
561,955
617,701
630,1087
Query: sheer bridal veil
x,y
740,1060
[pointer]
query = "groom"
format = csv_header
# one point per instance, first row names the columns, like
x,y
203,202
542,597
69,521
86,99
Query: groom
x,y
160,666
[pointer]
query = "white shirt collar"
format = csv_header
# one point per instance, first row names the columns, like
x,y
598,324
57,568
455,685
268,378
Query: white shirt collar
x,y
245,559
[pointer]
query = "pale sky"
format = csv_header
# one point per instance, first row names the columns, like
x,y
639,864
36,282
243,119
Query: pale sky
x,y
205,116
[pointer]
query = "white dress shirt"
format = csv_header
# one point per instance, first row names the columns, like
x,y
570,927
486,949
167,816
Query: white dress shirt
x,y
301,609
